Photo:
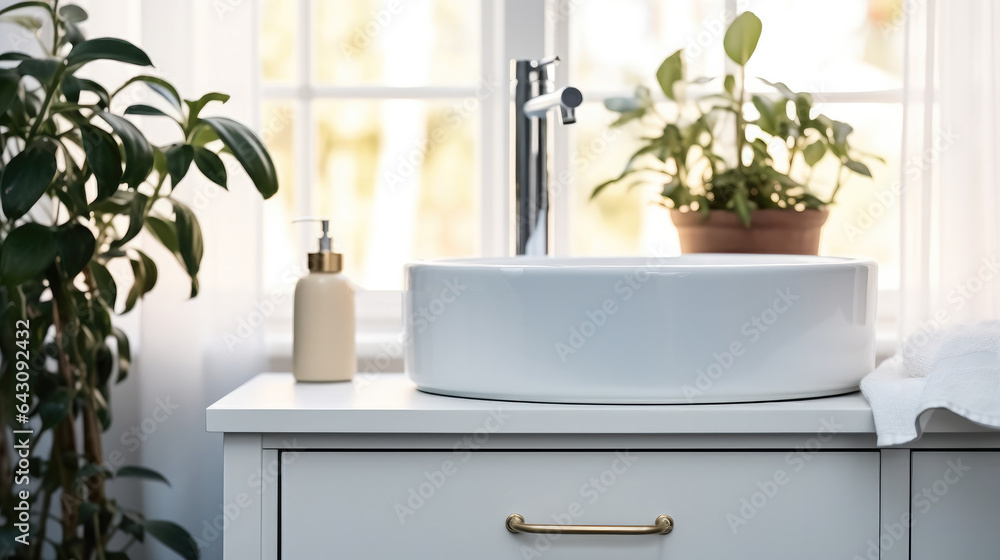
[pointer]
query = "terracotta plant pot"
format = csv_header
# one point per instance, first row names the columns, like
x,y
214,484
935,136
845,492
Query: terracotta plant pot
x,y
771,231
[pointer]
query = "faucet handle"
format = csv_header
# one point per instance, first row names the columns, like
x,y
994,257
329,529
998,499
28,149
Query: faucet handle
x,y
545,61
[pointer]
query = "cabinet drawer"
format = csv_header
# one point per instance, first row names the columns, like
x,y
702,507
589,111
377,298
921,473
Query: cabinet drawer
x,y
954,503
450,505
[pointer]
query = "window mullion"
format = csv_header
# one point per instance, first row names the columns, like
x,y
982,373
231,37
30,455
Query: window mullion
x,y
562,182
304,147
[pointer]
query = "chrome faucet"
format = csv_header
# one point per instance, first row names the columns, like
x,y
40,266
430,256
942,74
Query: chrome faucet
x,y
532,102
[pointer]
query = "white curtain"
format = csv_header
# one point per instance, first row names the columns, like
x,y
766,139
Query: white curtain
x,y
950,196
186,357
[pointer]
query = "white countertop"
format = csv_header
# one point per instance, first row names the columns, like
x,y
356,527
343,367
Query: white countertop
x,y
391,404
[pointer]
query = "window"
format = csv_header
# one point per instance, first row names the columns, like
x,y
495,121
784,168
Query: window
x,y
365,106
848,54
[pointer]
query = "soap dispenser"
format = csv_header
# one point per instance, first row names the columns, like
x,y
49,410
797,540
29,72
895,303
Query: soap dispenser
x,y
323,332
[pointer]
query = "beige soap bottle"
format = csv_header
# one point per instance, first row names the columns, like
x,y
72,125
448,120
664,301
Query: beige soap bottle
x,y
323,334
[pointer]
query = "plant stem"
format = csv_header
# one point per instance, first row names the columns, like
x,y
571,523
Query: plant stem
x,y
92,447
836,188
98,541
46,504
55,27
49,94
740,124
56,79
64,437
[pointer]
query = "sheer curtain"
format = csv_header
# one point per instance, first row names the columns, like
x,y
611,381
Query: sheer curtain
x,y
949,198
190,352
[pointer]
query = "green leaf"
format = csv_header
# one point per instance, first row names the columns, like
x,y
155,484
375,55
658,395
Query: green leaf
x,y
189,240
135,471
147,110
628,117
179,158
14,55
21,5
249,151
858,167
90,471
188,252
71,88
211,166
107,290
104,159
150,271
132,527
195,107
117,203
54,408
203,135
87,509
840,131
669,188
811,201
814,152
144,278
107,48
72,34
622,104
42,69
26,177
30,23
138,152
124,353
803,106
97,89
741,37
75,246
137,215
729,83
784,90
741,205
174,537
765,107
159,85
9,82
670,72
597,190
73,13
165,232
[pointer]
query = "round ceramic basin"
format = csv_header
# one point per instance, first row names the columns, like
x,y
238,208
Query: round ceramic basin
x,y
708,328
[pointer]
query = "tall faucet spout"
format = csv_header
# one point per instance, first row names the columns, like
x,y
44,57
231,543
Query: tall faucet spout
x,y
567,99
532,102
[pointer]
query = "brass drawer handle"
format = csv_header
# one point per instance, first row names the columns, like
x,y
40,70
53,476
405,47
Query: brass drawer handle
x,y
663,525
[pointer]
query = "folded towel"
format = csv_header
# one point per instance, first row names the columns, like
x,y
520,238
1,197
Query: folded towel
x,y
957,369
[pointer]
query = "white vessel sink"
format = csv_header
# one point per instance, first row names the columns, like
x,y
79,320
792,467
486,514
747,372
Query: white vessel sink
x,y
690,329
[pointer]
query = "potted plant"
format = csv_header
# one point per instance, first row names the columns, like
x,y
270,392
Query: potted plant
x,y
736,179
79,183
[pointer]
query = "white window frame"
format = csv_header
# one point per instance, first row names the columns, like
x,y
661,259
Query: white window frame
x,y
510,29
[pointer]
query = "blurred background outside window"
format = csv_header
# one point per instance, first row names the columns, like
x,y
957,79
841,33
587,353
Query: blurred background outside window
x,y
375,129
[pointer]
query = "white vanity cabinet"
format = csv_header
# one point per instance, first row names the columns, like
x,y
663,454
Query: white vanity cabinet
x,y
432,504
376,469
955,505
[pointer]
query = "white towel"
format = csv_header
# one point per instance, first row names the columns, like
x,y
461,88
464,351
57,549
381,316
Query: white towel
x,y
957,369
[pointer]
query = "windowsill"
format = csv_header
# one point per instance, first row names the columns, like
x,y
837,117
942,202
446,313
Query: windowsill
x,y
376,348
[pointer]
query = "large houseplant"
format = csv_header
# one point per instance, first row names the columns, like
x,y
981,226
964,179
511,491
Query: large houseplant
x,y
79,183
737,176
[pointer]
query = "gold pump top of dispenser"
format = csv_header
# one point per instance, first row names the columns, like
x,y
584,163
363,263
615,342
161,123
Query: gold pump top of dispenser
x,y
325,260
